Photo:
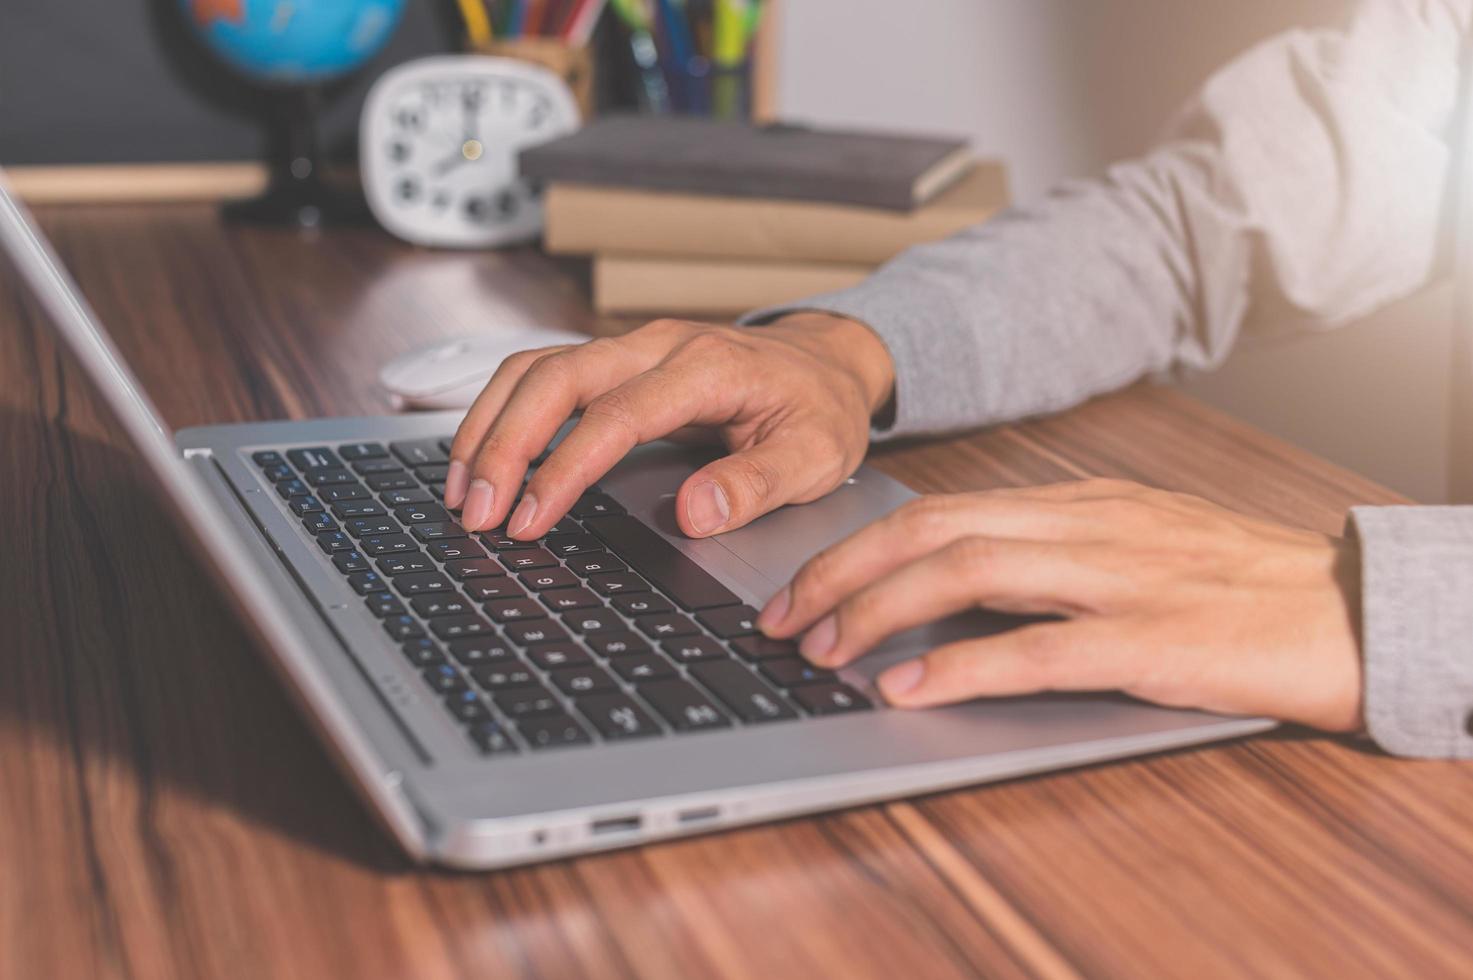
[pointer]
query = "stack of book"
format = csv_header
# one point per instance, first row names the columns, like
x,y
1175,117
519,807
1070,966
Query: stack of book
x,y
704,218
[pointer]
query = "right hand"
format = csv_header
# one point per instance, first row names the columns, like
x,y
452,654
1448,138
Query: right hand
x,y
791,401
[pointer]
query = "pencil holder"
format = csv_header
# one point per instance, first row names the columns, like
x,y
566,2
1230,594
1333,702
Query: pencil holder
x,y
574,65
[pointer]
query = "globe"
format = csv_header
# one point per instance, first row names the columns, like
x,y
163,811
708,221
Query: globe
x,y
293,42
292,49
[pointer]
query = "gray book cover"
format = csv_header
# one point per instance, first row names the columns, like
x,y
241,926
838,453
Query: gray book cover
x,y
693,154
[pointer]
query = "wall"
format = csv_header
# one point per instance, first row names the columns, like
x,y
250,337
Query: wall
x,y
1059,88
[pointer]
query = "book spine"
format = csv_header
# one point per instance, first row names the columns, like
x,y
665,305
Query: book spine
x,y
625,285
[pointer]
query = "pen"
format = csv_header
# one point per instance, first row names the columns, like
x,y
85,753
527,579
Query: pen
x,y
477,23
682,52
653,93
583,21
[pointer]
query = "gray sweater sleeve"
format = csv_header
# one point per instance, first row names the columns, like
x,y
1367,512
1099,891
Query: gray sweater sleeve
x,y
1307,182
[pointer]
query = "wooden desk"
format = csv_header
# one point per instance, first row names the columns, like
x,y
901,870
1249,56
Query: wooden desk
x,y
165,813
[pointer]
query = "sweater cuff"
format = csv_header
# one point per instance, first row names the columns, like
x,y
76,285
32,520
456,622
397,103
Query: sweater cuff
x,y
1417,627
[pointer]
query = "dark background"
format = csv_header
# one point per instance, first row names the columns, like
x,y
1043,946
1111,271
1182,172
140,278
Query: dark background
x,y
124,81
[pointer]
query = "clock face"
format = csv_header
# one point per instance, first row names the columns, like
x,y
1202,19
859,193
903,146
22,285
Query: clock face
x,y
439,145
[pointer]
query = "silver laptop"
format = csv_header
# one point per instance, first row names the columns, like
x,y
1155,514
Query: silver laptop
x,y
497,702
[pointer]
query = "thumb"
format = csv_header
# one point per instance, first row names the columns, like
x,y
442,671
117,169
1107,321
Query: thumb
x,y
737,489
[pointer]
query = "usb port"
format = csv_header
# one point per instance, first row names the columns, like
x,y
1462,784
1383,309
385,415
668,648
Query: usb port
x,y
616,825
698,815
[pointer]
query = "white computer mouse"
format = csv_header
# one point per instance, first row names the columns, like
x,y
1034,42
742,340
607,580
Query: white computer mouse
x,y
451,373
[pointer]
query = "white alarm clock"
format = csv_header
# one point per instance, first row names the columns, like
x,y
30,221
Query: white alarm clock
x,y
438,144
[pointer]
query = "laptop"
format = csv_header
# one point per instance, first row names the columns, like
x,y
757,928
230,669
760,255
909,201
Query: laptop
x,y
499,702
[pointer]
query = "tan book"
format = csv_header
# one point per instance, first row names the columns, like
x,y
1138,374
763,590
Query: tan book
x,y
585,219
709,288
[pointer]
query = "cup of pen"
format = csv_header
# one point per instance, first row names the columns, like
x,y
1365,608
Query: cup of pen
x,y
572,63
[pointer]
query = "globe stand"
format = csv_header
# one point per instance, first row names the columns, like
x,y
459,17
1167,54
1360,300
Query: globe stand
x,y
296,194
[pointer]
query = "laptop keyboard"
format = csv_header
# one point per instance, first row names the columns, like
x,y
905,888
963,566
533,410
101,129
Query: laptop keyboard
x,y
599,631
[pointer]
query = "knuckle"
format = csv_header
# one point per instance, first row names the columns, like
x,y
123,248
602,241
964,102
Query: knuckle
x,y
754,480
862,614
613,410
814,577
970,557
921,515
710,343
667,327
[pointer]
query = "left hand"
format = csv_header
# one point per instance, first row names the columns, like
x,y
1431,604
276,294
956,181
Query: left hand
x,y
1164,596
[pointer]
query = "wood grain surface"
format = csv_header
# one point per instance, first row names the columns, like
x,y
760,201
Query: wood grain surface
x,y
165,813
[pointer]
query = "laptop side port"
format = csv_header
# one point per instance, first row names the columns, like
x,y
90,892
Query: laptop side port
x,y
616,825
698,815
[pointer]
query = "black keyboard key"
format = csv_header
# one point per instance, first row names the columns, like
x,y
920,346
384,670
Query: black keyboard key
x,y
306,459
684,707
491,589
373,467
288,489
365,582
405,564
618,644
596,563
527,702
305,505
763,648
498,541
424,514
442,604
694,649
335,541
547,579
830,699
618,583
642,604
350,561
386,544
267,457
355,451
596,505
730,621
360,526
444,678
349,509
794,672
437,490
418,452
332,495
423,652
564,600
280,471
492,739
463,569
687,583
467,707
404,498
457,627
508,610
329,476
319,523
616,716
433,475
421,583
642,667
529,631
566,526
555,656
382,605
399,482
743,692
503,676
553,731
578,681
568,545
437,531
403,627
665,625
521,561
454,549
480,650
592,621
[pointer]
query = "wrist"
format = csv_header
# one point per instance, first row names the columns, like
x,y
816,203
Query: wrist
x,y
848,345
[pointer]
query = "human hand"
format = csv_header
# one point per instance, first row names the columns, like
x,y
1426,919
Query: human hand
x,y
1164,596
791,401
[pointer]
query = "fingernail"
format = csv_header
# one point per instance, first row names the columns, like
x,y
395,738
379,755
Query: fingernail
x,y
526,510
707,508
900,679
776,610
478,502
457,480
820,640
